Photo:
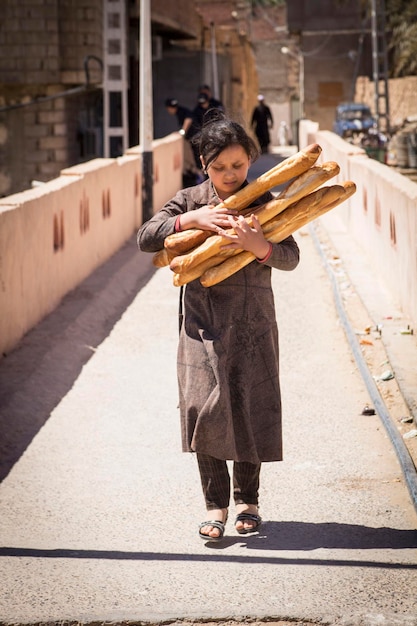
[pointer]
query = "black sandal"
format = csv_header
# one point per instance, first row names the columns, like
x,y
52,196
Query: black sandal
x,y
248,517
216,524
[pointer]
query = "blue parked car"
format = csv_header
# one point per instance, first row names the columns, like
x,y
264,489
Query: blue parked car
x,y
353,118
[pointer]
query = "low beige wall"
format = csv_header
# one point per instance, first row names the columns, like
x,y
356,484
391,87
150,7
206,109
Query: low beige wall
x,y
381,216
167,168
53,236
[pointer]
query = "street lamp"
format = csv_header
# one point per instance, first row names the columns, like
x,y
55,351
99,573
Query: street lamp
x,y
300,58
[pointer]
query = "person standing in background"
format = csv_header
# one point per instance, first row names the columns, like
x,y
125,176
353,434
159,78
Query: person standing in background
x,y
192,173
283,134
184,116
201,108
213,102
262,122
198,113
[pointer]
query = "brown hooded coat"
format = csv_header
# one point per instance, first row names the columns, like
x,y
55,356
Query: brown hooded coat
x,y
228,357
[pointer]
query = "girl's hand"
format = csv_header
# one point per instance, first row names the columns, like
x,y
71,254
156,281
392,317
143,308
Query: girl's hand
x,y
246,237
207,218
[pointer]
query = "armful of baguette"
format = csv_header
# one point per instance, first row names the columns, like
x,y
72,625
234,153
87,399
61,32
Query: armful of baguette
x,y
315,203
195,253
296,216
180,243
301,186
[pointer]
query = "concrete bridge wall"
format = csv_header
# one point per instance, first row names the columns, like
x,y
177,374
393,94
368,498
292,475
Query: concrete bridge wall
x,y
381,216
53,236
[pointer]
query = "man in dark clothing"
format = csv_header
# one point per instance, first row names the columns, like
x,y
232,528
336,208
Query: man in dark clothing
x,y
261,122
199,111
192,173
184,116
213,102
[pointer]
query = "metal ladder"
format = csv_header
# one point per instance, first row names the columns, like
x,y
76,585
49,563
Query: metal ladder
x,y
115,83
380,66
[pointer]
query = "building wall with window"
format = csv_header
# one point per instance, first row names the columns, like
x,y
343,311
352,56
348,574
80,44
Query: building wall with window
x,y
48,114
51,56
335,40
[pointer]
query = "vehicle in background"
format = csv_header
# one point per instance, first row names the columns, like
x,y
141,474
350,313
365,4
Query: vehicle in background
x,y
353,118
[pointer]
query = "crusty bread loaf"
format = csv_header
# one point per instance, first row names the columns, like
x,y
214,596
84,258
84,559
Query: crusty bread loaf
x,y
288,169
298,189
182,242
160,258
303,185
293,218
293,166
198,270
310,202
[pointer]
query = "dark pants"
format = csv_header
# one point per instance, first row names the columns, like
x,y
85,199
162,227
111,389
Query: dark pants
x,y
215,480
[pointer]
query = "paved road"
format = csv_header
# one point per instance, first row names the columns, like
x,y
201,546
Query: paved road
x,y
99,515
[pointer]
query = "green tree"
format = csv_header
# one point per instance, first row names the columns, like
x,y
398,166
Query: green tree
x,y
401,20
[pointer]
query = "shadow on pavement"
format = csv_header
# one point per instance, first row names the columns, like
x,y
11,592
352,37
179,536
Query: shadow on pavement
x,y
310,536
40,371
279,536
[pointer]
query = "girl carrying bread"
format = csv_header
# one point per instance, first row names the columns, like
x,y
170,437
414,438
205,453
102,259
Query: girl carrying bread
x,y
227,362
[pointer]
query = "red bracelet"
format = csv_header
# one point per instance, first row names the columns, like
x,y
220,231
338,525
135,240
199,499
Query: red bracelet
x,y
268,254
178,224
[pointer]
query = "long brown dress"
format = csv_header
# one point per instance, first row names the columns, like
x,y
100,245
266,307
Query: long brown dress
x,y
228,356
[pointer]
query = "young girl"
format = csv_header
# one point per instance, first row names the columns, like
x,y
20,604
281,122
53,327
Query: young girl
x,y
228,373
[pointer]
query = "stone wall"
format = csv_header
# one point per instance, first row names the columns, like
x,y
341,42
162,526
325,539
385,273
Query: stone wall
x,y
44,102
38,140
402,96
44,43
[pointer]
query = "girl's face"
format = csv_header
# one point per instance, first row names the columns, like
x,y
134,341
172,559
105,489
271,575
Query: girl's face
x,y
229,170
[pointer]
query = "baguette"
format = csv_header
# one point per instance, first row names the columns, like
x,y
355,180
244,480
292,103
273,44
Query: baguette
x,y
311,201
160,258
288,222
291,167
182,242
197,270
283,172
299,188
302,185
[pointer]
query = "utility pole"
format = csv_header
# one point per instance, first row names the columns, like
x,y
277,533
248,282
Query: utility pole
x,y
380,64
215,72
146,110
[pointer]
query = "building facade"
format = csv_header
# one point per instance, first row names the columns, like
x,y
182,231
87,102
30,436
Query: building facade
x,y
69,72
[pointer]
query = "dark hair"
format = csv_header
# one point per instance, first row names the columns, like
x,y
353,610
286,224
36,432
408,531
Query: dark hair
x,y
218,133
202,97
